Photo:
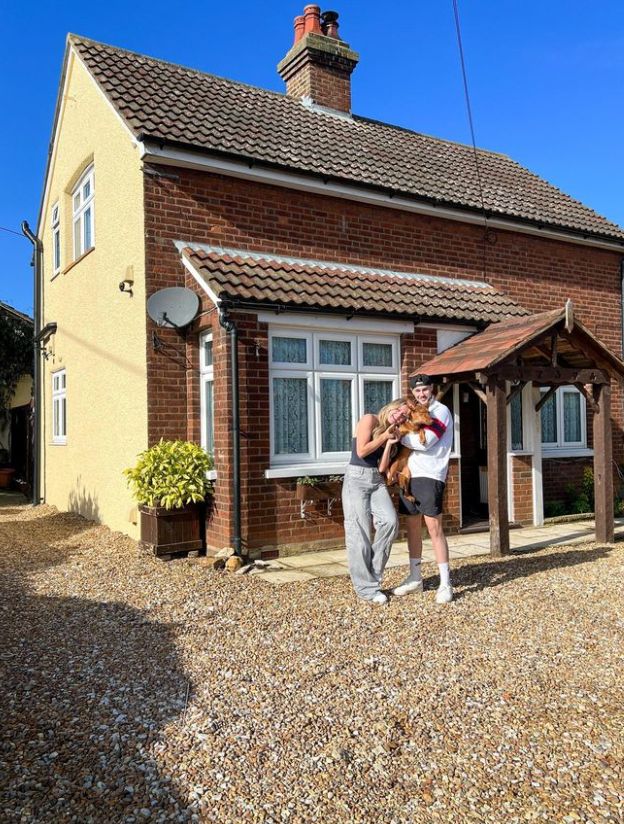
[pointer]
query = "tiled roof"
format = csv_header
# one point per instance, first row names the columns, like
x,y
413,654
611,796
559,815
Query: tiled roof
x,y
506,339
234,275
168,102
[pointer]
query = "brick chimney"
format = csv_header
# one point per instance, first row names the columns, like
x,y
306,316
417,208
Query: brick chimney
x,y
319,65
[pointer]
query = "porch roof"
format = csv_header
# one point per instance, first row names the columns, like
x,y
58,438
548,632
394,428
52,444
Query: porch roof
x,y
233,275
549,341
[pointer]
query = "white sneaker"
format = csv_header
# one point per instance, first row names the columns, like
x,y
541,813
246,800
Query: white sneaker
x,y
408,585
444,595
380,599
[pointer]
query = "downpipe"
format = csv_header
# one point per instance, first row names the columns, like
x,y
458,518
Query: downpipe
x,y
230,327
37,270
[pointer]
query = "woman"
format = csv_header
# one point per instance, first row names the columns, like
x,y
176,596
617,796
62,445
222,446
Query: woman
x,y
365,498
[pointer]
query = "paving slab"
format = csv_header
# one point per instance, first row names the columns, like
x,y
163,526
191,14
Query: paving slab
x,y
287,576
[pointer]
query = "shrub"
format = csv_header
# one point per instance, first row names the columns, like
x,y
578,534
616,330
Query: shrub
x,y
553,509
171,474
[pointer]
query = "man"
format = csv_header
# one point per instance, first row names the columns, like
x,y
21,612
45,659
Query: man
x,y
428,465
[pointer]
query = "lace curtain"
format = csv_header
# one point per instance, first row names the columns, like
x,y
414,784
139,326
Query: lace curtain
x,y
549,421
336,415
289,350
376,395
335,352
377,354
571,417
516,422
290,415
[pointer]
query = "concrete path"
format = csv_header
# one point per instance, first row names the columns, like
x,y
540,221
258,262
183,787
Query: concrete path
x,y
310,565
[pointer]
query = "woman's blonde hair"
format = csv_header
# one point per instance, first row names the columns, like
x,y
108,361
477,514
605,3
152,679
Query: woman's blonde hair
x,y
384,413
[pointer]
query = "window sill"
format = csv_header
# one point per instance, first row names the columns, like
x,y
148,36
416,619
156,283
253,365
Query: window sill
x,y
58,443
310,469
70,266
568,452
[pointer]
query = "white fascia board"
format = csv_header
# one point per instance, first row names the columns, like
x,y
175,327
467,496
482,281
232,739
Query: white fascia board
x,y
200,280
334,321
189,159
448,327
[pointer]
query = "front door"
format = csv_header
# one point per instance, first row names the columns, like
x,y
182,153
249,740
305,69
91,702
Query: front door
x,y
473,450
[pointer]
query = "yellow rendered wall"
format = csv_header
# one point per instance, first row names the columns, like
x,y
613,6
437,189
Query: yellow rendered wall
x,y
100,339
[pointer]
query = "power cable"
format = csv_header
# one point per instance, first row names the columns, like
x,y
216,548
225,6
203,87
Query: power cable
x,y
13,232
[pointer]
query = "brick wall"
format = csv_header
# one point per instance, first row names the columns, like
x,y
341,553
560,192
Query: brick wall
x,y
214,209
521,473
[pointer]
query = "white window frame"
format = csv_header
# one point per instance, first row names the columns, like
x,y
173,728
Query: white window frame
x,y
206,375
315,460
561,447
59,406
79,211
55,220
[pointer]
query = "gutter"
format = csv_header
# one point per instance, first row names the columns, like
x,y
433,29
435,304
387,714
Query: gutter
x,y
37,272
230,327
169,153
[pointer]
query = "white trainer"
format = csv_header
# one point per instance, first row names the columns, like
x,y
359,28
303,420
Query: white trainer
x,y
408,585
380,599
444,595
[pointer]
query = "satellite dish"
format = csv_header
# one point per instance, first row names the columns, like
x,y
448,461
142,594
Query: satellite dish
x,y
174,307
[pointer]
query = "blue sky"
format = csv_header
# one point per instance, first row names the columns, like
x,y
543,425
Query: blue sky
x,y
546,82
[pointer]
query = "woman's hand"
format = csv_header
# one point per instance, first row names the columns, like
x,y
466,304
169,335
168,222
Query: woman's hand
x,y
391,435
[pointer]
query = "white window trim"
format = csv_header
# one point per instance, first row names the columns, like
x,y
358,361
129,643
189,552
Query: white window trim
x,y
59,394
561,448
313,372
78,213
206,375
55,220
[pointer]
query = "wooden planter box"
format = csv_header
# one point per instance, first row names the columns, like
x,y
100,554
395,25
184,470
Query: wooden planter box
x,y
319,492
167,532
6,476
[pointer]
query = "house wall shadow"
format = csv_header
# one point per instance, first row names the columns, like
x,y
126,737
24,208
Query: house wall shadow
x,y
87,687
83,502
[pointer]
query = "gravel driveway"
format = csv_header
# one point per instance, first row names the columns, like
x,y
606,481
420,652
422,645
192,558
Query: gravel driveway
x,y
137,690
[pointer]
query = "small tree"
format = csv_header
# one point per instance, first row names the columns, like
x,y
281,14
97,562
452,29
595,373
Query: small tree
x,y
16,354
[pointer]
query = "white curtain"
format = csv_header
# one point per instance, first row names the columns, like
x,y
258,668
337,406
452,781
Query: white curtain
x,y
335,352
289,350
336,415
377,354
290,416
376,395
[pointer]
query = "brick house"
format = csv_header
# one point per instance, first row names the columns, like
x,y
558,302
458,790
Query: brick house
x,y
335,254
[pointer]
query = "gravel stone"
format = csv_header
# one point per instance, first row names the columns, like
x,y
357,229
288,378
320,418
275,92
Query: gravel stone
x,y
136,690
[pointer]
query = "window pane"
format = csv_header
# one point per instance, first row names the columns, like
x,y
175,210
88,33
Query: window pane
x,y
516,422
63,425
549,421
571,417
63,376
86,190
209,413
57,249
87,228
377,354
55,418
208,352
335,352
290,416
289,350
76,202
376,395
336,415
77,246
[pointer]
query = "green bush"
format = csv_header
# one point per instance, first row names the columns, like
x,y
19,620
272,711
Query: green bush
x,y
553,509
171,474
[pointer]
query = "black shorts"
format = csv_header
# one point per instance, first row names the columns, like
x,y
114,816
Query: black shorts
x,y
428,494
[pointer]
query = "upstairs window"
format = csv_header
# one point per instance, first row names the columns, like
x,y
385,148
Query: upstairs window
x,y
56,239
83,207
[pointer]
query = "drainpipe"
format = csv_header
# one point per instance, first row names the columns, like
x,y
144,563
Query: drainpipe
x,y
37,266
230,327
622,303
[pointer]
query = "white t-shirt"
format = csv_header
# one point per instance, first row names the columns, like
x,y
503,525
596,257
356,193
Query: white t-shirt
x,y
431,459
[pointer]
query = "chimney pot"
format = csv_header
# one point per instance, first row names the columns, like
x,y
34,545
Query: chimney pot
x,y
330,24
312,15
299,27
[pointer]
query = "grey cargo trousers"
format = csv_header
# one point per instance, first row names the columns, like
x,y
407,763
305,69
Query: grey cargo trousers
x,y
366,502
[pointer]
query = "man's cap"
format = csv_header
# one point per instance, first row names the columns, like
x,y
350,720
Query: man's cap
x,y
420,380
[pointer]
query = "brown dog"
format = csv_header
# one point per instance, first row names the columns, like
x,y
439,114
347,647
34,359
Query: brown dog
x,y
398,471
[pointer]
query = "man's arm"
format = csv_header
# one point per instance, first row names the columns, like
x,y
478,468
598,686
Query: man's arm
x,y
433,433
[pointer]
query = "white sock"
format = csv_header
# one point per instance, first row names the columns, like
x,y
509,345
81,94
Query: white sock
x,y
444,575
415,569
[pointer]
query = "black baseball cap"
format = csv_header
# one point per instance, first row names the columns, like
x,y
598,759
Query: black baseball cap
x,y
420,380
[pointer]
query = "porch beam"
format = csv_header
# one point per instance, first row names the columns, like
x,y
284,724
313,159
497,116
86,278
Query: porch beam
x,y
551,374
545,398
603,473
478,392
589,397
497,468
